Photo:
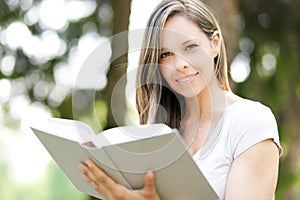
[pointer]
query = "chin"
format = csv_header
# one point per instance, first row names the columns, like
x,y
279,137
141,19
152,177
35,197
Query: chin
x,y
189,93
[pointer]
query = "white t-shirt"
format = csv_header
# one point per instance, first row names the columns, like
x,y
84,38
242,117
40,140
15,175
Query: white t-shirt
x,y
243,124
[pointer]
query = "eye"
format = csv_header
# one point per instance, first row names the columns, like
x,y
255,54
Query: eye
x,y
166,54
190,47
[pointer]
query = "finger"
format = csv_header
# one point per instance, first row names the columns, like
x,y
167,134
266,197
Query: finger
x,y
90,178
99,188
86,178
86,171
149,182
110,187
87,175
100,175
89,144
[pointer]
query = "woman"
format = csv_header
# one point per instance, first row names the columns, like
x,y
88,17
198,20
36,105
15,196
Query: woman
x,y
182,81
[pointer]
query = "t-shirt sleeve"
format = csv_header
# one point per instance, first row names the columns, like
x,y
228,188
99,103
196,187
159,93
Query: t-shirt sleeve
x,y
253,124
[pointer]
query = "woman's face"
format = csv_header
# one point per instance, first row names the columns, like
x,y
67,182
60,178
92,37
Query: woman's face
x,y
187,56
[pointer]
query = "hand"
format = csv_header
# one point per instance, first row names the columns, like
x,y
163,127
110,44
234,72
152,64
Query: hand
x,y
89,144
111,190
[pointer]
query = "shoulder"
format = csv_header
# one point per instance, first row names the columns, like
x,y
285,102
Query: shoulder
x,y
246,106
249,114
251,123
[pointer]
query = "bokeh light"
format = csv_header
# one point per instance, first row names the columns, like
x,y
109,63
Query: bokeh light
x,y
240,68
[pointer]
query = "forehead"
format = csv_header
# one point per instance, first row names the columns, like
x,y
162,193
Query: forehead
x,y
179,29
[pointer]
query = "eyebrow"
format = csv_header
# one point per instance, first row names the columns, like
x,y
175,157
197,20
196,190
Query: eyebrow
x,y
183,43
189,41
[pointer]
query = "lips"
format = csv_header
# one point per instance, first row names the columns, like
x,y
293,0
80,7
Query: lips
x,y
187,79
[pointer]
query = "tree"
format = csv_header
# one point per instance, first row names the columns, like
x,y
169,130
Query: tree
x,y
121,10
28,72
118,66
269,34
274,80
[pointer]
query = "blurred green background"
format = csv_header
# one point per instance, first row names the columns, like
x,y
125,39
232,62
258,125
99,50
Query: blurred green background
x,y
43,43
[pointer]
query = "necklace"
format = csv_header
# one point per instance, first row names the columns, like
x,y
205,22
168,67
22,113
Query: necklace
x,y
201,124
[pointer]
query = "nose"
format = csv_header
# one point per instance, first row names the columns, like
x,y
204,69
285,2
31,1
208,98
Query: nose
x,y
181,64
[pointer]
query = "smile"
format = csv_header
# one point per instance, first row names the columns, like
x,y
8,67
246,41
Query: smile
x,y
188,79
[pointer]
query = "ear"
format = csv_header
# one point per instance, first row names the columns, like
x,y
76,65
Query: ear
x,y
215,43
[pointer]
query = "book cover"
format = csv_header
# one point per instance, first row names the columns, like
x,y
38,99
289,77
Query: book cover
x,y
125,154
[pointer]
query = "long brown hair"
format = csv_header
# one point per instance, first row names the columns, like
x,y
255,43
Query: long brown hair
x,y
156,102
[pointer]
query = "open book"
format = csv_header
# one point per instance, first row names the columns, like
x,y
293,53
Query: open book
x,y
125,154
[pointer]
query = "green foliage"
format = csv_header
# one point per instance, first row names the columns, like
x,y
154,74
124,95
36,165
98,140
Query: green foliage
x,y
33,78
58,186
54,185
273,26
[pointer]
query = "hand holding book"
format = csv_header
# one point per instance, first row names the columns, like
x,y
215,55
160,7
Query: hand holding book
x,y
106,186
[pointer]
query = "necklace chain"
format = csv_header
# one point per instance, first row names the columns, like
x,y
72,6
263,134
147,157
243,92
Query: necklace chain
x,y
200,126
207,117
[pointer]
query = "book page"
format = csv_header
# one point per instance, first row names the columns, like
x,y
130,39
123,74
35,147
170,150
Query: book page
x,y
129,133
65,128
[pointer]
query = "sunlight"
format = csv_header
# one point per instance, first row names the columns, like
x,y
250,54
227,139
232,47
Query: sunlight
x,y
269,63
16,34
89,59
31,46
51,44
32,15
42,48
5,88
8,65
140,12
52,15
76,10
56,14
246,45
240,68
24,152
18,105
26,156
57,95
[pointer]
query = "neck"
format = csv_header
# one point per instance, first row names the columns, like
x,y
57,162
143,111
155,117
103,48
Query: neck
x,y
210,102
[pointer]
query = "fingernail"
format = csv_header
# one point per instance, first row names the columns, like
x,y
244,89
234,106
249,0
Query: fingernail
x,y
88,161
80,166
149,171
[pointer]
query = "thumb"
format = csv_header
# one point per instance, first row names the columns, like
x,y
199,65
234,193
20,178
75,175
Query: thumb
x,y
149,182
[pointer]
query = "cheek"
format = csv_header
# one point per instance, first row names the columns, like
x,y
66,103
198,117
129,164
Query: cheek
x,y
202,62
166,71
200,58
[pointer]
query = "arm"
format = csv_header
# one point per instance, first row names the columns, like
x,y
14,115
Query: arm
x,y
253,174
111,190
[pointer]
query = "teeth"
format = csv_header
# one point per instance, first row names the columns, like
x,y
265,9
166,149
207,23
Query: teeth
x,y
187,79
